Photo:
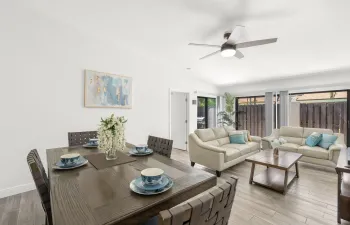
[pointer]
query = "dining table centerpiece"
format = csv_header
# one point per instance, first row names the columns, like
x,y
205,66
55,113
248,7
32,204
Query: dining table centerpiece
x,y
111,135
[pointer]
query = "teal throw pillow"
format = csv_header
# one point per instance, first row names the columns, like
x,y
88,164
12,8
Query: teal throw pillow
x,y
313,139
327,141
237,138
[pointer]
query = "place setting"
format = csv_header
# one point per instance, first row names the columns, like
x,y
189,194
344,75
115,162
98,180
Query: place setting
x,y
93,143
140,150
152,181
70,161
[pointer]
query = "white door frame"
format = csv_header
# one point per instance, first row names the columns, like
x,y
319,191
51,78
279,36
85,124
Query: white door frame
x,y
188,95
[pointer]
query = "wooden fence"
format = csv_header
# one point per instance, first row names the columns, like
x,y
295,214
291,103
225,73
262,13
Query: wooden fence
x,y
331,115
252,118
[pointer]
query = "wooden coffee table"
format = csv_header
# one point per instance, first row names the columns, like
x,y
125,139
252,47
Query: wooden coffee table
x,y
277,175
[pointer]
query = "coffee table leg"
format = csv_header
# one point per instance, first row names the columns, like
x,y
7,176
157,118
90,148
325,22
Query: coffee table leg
x,y
297,169
285,182
252,173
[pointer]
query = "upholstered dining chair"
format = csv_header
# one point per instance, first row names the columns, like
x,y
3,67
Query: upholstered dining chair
x,y
211,208
41,182
80,138
160,145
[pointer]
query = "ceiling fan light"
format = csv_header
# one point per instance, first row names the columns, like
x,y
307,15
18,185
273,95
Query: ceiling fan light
x,y
228,52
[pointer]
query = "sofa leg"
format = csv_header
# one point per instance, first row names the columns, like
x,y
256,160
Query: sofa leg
x,y
218,173
192,164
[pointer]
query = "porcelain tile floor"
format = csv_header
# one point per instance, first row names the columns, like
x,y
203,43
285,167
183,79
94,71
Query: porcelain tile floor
x,y
311,199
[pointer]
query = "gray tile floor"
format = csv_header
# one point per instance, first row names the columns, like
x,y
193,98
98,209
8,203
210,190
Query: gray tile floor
x,y
311,199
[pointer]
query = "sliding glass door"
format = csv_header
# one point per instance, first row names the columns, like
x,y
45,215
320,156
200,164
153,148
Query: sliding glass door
x,y
206,112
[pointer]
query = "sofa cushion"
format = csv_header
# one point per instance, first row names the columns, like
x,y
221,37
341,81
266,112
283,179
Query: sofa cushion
x,y
289,147
223,141
292,134
231,154
237,137
246,135
243,149
220,132
309,131
213,143
229,128
205,134
327,140
313,139
314,152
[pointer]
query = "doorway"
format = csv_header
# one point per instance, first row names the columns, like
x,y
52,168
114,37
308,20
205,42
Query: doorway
x,y
179,119
206,112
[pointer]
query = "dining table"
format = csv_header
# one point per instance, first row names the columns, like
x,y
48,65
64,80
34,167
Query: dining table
x,y
90,196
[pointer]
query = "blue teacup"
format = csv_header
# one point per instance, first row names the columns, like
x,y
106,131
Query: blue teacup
x,y
141,148
93,141
69,159
151,176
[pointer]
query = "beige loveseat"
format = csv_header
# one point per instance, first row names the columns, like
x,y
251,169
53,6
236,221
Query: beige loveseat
x,y
296,137
211,148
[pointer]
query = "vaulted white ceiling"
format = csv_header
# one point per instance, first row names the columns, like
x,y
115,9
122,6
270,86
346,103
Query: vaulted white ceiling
x,y
313,35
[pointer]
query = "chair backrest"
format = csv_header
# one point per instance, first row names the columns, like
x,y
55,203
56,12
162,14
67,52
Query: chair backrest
x,y
80,138
160,145
41,181
212,208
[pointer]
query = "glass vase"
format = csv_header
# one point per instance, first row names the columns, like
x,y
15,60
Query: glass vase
x,y
118,144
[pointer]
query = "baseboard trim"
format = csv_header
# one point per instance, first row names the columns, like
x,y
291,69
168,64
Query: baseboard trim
x,y
16,190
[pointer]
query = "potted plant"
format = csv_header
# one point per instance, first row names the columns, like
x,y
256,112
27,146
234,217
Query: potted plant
x,y
227,117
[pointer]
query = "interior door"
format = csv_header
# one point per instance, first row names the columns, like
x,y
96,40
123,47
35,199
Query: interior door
x,y
179,120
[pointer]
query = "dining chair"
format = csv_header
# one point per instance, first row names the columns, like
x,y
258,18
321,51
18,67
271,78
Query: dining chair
x,y
161,146
210,208
80,138
41,182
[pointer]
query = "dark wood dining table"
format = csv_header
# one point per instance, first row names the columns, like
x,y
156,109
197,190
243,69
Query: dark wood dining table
x,y
87,196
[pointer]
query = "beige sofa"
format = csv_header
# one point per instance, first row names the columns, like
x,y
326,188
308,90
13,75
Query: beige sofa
x,y
296,137
211,148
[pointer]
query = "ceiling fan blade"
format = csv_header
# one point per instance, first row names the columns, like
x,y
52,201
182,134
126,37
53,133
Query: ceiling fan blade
x,y
256,43
239,54
205,45
211,54
236,34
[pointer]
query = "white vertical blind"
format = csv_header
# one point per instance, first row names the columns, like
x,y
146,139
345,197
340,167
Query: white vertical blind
x,y
269,112
284,108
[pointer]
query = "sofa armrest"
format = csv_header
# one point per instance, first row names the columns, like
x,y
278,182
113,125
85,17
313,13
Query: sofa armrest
x,y
204,154
266,142
256,139
334,149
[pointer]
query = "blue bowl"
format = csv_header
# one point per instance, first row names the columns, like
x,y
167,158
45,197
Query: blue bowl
x,y
151,176
141,148
70,159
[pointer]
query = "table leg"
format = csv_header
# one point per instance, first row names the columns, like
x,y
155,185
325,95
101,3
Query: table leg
x,y
297,169
252,173
339,190
285,182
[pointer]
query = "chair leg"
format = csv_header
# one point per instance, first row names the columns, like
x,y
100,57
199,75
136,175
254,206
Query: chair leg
x,y
218,173
192,164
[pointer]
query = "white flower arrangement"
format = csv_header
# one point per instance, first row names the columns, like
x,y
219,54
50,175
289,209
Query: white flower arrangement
x,y
111,133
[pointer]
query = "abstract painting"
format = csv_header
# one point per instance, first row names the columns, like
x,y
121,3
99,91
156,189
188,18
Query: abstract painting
x,y
107,90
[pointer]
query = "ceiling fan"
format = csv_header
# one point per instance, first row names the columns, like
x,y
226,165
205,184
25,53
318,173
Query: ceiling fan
x,y
231,45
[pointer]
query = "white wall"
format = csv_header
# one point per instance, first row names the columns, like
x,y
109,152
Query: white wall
x,y
42,64
336,79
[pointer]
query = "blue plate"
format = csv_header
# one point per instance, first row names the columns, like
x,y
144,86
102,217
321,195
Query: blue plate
x,y
88,145
140,191
135,152
81,161
163,182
